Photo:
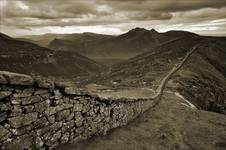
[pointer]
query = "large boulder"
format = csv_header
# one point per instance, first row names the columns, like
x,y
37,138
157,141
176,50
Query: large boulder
x,y
17,79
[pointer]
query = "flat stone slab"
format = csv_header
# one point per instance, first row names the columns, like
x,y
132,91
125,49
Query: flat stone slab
x,y
44,83
4,94
17,79
64,84
126,93
3,80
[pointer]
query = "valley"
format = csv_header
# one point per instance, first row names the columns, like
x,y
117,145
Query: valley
x,y
156,54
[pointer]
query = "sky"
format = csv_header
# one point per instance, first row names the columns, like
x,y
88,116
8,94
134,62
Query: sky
x,y
33,17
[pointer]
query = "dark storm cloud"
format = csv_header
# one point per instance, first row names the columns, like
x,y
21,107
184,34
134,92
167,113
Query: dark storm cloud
x,y
26,14
165,5
194,5
48,9
163,9
82,9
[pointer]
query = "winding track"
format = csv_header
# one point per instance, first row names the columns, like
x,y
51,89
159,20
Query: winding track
x,y
160,89
165,80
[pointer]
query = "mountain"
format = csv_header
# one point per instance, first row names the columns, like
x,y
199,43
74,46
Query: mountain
x,y
24,57
119,48
45,39
150,67
106,48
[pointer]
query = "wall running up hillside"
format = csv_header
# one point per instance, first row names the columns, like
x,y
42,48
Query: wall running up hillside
x,y
40,114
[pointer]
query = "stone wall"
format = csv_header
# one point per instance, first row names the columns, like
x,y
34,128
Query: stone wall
x,y
40,114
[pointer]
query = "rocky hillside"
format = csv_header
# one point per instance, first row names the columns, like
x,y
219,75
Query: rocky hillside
x,y
202,79
25,57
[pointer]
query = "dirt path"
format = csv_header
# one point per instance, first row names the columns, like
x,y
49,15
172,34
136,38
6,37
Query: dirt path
x,y
165,80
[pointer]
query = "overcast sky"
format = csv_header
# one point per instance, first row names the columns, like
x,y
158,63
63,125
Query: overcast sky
x,y
24,17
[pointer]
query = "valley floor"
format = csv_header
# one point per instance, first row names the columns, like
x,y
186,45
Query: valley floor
x,y
173,124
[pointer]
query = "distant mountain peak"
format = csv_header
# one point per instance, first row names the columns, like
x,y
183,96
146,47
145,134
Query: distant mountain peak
x,y
134,32
56,40
3,36
180,33
138,30
153,31
89,33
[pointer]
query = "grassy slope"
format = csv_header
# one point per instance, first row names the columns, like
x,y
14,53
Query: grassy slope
x,y
149,68
25,57
203,82
45,39
170,125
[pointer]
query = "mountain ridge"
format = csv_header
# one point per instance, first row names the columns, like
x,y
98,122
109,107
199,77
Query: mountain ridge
x,y
25,57
124,46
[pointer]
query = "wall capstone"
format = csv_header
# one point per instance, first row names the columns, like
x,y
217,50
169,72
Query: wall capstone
x,y
17,79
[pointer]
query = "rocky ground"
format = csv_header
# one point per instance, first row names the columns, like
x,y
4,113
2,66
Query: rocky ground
x,y
173,124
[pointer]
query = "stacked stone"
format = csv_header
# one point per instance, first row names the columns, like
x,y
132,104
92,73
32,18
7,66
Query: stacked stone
x,y
37,113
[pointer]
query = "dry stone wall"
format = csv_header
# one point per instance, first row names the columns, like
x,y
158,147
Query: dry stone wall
x,y
40,114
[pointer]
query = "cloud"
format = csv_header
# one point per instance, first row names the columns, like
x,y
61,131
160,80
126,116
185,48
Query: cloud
x,y
47,9
28,15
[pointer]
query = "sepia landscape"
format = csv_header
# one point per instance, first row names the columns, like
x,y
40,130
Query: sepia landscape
x,y
113,75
